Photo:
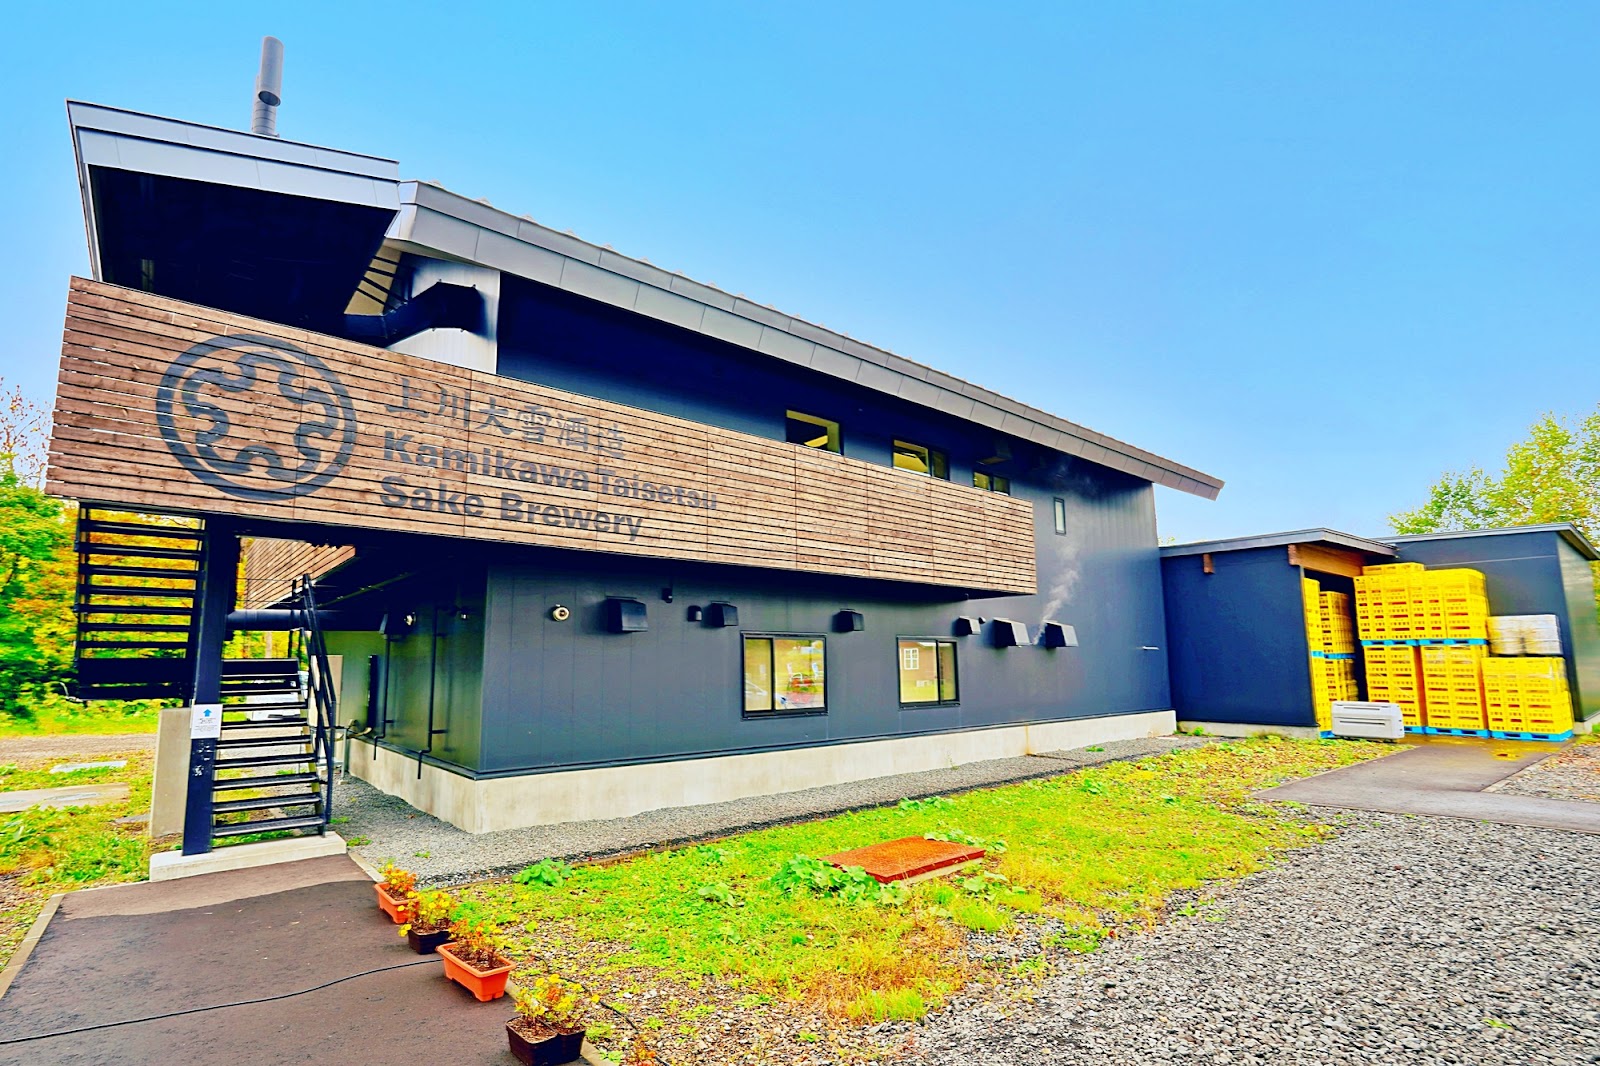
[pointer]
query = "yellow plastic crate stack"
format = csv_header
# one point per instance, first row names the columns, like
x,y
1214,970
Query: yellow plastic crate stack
x,y
1452,683
1394,675
1527,698
1454,605
1389,601
1311,601
1332,643
1338,635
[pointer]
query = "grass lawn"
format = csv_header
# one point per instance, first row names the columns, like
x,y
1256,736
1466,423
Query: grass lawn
x,y
54,716
738,951
46,851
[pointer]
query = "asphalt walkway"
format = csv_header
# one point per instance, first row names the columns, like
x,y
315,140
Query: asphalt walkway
x,y
176,972
1445,778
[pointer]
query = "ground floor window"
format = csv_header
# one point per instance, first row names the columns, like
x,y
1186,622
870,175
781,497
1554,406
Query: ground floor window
x,y
785,675
927,671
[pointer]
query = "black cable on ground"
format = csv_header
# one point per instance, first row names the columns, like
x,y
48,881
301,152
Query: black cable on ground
x,y
217,1006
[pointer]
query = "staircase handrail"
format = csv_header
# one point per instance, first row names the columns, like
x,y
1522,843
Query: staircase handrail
x,y
323,696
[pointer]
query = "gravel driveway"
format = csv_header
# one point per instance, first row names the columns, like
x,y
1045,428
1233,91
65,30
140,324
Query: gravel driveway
x,y
1571,774
72,745
1405,940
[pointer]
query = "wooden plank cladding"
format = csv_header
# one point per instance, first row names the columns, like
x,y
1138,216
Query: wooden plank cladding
x,y
173,405
271,566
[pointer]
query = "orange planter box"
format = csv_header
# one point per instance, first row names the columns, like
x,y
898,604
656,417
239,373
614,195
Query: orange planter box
x,y
399,910
485,984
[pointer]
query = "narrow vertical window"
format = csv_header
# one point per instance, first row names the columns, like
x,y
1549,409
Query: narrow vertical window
x,y
927,671
1060,507
784,675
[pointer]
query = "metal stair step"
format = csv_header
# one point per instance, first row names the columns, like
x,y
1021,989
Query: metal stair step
x,y
228,784
272,723
249,761
137,610
235,743
136,590
261,803
139,529
268,825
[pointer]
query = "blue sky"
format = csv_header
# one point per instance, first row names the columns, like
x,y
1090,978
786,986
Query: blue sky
x,y
1323,251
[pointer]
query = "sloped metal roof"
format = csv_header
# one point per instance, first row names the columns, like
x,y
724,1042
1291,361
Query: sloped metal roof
x,y
1330,537
433,218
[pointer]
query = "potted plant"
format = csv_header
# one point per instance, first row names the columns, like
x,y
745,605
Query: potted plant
x,y
431,915
395,892
549,1026
475,958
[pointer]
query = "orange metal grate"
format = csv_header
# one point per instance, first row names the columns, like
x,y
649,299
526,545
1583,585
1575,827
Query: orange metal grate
x,y
897,860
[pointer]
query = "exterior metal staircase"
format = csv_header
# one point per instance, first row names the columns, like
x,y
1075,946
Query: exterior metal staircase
x,y
275,759
137,599
140,582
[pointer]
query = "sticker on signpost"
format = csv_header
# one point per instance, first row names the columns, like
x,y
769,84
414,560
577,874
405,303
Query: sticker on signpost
x,y
205,722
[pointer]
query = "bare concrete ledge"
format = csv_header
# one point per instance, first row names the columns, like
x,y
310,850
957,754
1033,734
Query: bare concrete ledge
x,y
171,865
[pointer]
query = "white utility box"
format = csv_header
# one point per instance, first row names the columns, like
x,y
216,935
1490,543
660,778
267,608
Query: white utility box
x,y
1368,721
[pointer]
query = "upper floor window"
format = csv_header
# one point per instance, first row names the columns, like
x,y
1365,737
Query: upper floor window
x,y
921,460
785,675
1060,512
812,432
992,482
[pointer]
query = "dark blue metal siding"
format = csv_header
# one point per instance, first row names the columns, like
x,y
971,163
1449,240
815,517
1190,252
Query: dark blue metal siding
x,y
1521,570
1531,573
1583,629
1238,638
569,693
439,661
567,342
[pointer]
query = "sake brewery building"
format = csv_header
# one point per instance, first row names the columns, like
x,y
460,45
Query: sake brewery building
x,y
588,537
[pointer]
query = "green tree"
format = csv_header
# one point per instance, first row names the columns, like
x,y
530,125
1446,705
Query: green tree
x,y
1552,476
38,568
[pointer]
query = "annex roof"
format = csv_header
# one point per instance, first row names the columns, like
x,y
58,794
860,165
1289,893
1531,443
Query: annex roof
x,y
1569,532
1331,537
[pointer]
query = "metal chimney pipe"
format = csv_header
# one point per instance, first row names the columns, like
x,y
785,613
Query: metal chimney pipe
x,y
269,89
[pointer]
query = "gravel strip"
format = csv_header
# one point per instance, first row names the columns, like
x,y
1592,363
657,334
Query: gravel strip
x,y
1409,940
440,853
68,745
1571,774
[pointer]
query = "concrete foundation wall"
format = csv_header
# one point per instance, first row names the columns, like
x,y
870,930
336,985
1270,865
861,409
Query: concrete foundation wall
x,y
491,804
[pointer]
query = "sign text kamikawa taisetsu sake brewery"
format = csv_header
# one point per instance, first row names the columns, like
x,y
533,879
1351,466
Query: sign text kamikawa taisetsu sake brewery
x,y
198,383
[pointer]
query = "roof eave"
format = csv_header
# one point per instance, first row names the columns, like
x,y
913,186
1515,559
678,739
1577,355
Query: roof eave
x,y
477,232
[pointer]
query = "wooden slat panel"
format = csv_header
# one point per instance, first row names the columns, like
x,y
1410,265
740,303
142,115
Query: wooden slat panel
x,y
419,445
271,565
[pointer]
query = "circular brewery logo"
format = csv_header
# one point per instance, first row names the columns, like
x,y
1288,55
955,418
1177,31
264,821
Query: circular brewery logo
x,y
210,407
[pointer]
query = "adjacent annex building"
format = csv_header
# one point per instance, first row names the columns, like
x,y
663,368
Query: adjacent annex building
x,y
585,537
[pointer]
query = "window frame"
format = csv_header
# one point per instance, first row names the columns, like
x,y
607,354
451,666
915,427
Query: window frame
x,y
955,670
774,712
934,459
993,481
1058,513
833,429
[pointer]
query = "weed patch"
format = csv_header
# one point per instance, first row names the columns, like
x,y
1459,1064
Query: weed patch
x,y
1093,852
47,850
